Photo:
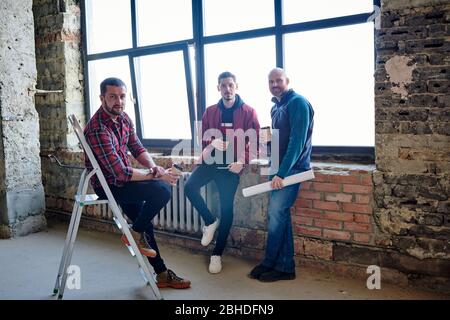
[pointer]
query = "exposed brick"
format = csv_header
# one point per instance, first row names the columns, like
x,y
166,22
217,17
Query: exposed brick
x,y
353,188
358,208
339,216
361,218
326,187
303,220
340,197
334,234
309,213
326,205
366,180
361,237
310,195
349,179
317,249
362,199
320,177
306,186
309,231
329,224
303,203
357,227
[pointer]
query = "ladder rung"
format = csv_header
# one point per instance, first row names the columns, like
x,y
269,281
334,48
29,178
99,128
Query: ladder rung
x,y
89,199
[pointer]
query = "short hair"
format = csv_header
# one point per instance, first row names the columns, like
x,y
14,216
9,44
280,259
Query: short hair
x,y
224,75
116,82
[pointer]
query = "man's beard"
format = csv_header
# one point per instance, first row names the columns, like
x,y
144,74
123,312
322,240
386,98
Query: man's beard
x,y
113,111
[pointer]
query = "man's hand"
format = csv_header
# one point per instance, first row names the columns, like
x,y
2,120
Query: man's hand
x,y
160,171
236,167
219,144
170,176
277,183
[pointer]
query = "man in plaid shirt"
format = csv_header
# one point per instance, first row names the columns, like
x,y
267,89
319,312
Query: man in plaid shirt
x,y
141,193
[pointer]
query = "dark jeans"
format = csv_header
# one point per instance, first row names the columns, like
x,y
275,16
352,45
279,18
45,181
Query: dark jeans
x,y
227,183
141,201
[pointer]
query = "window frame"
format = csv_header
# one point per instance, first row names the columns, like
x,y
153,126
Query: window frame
x,y
199,41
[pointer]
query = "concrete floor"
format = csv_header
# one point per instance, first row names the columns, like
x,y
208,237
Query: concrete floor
x,y
28,266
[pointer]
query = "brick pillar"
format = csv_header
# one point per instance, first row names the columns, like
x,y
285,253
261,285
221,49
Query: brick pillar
x,y
21,192
412,184
60,71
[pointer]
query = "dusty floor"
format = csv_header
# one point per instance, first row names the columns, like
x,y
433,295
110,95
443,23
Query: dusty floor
x,y
28,267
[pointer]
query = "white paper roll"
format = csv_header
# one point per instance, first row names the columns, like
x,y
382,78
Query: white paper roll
x,y
290,180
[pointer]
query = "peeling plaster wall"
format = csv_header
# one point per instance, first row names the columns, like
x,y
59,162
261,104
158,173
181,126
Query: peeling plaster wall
x,y
21,192
412,184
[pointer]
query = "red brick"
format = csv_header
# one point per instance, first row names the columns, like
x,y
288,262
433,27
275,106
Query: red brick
x,y
345,179
358,172
358,208
334,234
310,195
362,199
303,203
366,180
306,186
339,216
341,197
362,218
357,227
329,224
327,187
354,188
309,213
361,237
309,231
320,177
303,220
326,205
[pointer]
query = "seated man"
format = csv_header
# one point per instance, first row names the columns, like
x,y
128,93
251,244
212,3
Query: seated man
x,y
222,161
140,193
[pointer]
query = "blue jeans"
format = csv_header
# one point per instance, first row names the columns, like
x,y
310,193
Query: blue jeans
x,y
227,183
280,243
141,201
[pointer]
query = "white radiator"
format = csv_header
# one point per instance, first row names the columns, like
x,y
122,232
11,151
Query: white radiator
x,y
179,214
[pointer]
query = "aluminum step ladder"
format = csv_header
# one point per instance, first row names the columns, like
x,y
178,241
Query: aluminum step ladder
x,y
83,199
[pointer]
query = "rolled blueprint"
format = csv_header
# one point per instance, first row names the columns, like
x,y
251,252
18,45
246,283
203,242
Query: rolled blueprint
x,y
264,187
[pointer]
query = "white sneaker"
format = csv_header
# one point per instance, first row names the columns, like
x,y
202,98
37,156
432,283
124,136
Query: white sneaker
x,y
215,265
208,232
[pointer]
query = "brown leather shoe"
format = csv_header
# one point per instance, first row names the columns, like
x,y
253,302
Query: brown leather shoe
x,y
142,244
168,279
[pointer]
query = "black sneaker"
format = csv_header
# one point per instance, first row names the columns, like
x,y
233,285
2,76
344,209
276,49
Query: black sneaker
x,y
258,271
275,275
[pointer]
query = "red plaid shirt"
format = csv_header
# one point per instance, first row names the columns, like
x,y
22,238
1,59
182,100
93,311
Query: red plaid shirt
x,y
109,141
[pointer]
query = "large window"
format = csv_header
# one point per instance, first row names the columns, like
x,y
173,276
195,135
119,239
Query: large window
x,y
163,96
338,84
170,54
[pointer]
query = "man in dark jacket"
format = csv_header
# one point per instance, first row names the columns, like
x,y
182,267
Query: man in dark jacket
x,y
292,118
229,138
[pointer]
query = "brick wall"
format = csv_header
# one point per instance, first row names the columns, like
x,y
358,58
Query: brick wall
x,y
412,103
337,206
59,70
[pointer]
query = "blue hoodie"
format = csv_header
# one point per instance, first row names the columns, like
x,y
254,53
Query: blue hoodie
x,y
293,116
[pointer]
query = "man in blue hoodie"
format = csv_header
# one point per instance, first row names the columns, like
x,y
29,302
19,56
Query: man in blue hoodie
x,y
292,115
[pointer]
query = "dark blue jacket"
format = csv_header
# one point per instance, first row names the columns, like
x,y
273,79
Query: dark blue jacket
x,y
293,116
